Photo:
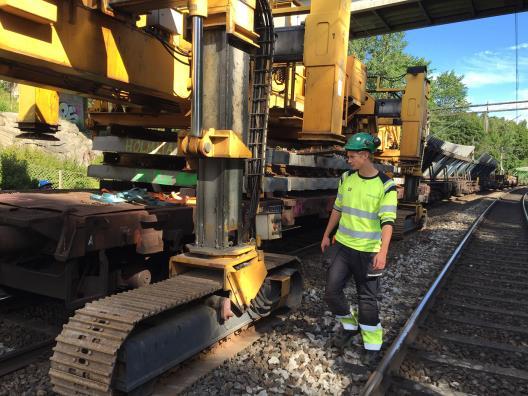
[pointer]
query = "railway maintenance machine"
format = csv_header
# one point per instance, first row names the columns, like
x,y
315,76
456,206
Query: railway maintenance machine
x,y
204,68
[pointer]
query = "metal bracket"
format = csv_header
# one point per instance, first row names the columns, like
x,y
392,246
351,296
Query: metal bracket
x,y
243,272
214,144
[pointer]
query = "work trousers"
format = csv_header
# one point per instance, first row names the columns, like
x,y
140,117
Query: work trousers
x,y
343,263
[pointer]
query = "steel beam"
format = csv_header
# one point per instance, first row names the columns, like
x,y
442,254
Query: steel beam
x,y
424,11
377,14
146,120
472,8
92,53
142,6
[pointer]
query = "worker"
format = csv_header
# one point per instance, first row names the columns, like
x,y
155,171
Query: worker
x,y
365,210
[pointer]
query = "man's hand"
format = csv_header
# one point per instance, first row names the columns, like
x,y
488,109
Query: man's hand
x,y
379,261
325,243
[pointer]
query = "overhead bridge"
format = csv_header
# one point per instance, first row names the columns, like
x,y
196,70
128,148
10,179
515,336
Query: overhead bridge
x,y
373,17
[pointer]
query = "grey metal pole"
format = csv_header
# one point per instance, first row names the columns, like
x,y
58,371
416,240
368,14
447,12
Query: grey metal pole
x,y
197,76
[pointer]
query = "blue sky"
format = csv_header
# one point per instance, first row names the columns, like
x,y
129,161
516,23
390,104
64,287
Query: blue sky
x,y
483,51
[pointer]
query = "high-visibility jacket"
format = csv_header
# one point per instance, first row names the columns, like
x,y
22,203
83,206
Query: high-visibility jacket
x,y
366,204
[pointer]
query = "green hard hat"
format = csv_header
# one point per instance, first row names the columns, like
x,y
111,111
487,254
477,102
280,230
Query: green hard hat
x,y
362,141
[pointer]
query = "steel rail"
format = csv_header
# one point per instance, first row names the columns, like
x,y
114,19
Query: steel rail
x,y
377,382
524,202
20,358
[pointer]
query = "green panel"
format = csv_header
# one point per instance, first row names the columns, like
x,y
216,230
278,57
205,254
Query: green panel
x,y
157,176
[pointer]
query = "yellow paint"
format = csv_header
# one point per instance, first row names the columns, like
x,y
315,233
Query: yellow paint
x,y
38,105
238,17
89,45
198,8
281,87
325,59
243,273
246,282
214,144
414,116
38,11
23,38
356,80
115,67
142,21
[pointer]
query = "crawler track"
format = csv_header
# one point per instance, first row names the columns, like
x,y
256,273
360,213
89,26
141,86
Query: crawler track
x,y
86,350
469,334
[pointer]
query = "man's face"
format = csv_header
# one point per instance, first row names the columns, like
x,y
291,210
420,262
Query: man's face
x,y
356,159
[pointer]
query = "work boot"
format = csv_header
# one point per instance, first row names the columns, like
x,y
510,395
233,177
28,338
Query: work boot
x,y
345,339
370,359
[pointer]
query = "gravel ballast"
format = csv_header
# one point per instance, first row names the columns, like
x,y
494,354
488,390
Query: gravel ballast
x,y
296,357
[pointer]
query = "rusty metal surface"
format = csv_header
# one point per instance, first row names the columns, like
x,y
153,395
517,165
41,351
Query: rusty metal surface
x,y
86,352
76,203
76,225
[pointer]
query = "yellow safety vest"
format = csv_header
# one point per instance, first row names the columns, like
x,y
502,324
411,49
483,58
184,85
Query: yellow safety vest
x,y
366,204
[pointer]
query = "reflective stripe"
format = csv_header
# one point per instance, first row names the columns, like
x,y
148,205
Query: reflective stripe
x,y
360,234
360,213
348,326
350,321
370,328
388,208
372,336
389,186
338,208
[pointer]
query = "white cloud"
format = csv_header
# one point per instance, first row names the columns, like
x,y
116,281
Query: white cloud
x,y
520,46
488,68
474,79
523,94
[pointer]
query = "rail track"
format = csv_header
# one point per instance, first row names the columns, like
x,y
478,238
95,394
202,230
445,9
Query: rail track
x,y
469,334
42,335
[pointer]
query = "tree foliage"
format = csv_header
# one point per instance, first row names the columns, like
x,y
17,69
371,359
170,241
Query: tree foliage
x,y
385,57
504,139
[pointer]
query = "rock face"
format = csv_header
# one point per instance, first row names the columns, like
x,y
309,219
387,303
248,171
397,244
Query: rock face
x,y
68,142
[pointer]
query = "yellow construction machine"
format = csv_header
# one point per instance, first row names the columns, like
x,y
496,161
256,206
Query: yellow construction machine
x,y
191,82
400,118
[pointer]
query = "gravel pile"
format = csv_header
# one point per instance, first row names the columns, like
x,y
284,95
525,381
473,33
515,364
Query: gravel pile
x,y
295,357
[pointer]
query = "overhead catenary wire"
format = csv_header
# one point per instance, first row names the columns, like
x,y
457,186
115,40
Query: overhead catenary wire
x,y
515,102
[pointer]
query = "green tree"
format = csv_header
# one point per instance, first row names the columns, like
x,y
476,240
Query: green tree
x,y
448,92
385,56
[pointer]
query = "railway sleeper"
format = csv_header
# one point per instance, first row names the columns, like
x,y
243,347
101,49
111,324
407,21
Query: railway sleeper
x,y
457,347
499,335
510,306
463,375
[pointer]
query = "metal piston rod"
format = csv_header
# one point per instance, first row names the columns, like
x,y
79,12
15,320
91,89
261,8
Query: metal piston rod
x,y
197,76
